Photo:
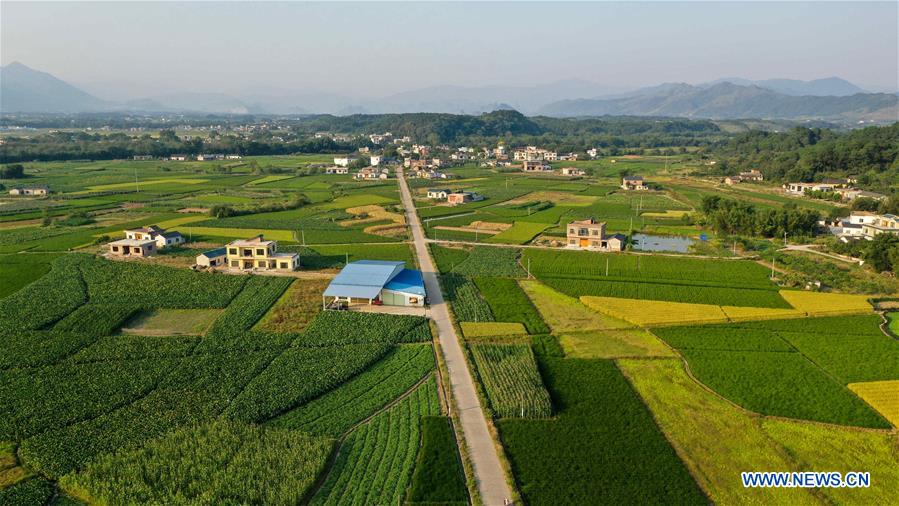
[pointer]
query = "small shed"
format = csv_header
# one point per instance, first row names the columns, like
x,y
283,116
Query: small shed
x,y
211,258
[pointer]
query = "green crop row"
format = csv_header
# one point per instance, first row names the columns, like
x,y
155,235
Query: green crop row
x,y
715,295
508,303
463,296
337,411
510,377
376,460
341,327
96,319
298,375
251,304
447,258
209,463
130,347
31,348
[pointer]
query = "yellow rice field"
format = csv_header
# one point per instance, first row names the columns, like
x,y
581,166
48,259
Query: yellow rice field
x,y
882,396
490,329
823,304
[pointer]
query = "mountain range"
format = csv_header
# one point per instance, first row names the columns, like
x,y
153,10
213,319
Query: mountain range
x,y
23,89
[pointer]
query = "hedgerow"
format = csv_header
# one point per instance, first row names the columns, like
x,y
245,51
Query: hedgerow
x,y
220,462
343,327
508,303
510,377
337,411
299,375
376,461
438,476
466,301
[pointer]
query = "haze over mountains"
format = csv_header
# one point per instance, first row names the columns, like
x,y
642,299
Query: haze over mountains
x,y
23,89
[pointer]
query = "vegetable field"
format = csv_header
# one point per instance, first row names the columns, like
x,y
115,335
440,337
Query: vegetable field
x,y
509,304
510,377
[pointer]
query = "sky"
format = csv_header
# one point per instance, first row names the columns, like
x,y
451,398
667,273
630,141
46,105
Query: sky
x,y
376,49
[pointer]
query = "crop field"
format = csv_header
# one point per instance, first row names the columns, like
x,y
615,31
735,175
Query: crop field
x,y
473,330
17,271
446,259
509,304
438,472
464,297
376,460
520,233
491,261
99,413
591,454
881,395
718,441
513,384
296,309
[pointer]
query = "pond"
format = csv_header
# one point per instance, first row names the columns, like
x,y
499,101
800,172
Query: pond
x,y
647,242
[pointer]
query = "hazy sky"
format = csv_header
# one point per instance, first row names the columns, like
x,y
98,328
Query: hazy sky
x,y
372,49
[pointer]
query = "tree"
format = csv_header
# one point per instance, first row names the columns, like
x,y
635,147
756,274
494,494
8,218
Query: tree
x,y
12,171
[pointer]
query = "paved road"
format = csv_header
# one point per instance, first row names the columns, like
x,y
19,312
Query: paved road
x,y
809,248
488,471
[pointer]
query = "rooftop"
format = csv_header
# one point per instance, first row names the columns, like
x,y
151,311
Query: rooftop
x,y
363,279
218,252
407,281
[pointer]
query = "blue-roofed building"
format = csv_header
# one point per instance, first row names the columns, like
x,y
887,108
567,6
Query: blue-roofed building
x,y
376,281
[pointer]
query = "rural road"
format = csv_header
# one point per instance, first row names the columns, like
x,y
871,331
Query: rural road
x,y
809,248
488,471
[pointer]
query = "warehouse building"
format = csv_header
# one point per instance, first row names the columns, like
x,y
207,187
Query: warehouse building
x,y
375,282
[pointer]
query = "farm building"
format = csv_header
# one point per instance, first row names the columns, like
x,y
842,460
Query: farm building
x,y
161,237
590,234
257,253
633,183
210,157
572,171
369,173
374,282
132,248
439,193
212,258
344,161
536,166
178,158
337,170
30,190
463,197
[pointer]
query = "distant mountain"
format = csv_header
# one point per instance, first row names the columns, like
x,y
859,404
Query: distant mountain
x,y
23,89
730,101
827,87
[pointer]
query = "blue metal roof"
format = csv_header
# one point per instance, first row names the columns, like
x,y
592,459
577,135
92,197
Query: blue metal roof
x,y
218,252
407,281
363,279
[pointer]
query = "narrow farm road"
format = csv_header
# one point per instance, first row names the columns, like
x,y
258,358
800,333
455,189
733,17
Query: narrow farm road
x,y
491,479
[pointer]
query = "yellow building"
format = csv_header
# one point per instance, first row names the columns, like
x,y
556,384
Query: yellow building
x,y
259,254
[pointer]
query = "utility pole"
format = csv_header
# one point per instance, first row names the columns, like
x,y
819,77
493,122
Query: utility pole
x,y
607,266
347,261
303,232
785,239
136,182
529,268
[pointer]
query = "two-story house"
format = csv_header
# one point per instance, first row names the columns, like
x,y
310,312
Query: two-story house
x,y
591,235
258,253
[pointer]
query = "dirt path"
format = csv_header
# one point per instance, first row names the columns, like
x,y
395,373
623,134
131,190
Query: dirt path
x,y
488,470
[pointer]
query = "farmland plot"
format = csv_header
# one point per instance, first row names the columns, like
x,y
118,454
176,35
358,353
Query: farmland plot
x,y
509,304
466,301
438,476
491,261
510,377
376,460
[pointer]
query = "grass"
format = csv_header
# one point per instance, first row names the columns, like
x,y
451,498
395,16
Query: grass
x,y
207,463
602,448
170,322
509,304
510,377
237,233
655,313
473,330
717,441
780,384
438,476
881,395
296,308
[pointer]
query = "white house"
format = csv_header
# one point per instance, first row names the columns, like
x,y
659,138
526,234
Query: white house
x,y
344,161
337,170
572,171
375,160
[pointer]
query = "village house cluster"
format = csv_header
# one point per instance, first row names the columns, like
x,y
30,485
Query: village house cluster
x,y
29,191
844,188
753,176
255,254
863,225
144,242
454,197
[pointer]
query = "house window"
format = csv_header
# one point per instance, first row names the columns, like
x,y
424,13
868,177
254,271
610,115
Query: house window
x,y
284,265
137,250
571,231
594,232
582,231
235,263
260,252
115,248
232,251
